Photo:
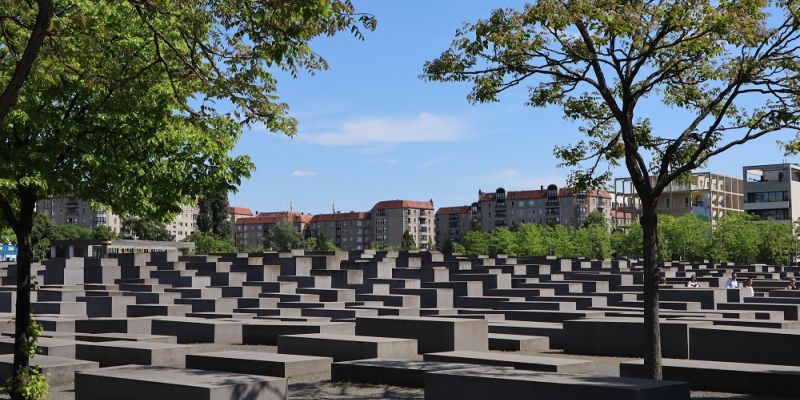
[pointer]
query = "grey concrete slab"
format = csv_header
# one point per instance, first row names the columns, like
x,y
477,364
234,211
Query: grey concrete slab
x,y
728,377
266,332
123,352
347,347
136,382
504,342
258,363
517,361
432,333
58,370
469,384
407,373
199,330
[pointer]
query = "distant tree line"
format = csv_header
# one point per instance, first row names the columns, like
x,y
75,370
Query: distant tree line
x,y
739,238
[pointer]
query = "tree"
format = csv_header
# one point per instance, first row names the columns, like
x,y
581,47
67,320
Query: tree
x,y
729,69
146,229
284,236
593,241
474,243
214,215
137,105
777,242
321,244
530,240
596,218
559,241
687,235
736,238
501,241
407,243
205,243
627,241
103,232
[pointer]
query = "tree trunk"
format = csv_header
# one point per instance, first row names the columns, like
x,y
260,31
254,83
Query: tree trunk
x,y
652,329
23,310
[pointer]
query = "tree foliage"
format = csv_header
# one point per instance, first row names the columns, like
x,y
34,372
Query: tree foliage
x,y
729,69
407,243
145,229
214,215
501,241
205,243
320,244
137,105
284,236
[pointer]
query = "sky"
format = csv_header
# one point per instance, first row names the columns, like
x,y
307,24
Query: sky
x,y
370,129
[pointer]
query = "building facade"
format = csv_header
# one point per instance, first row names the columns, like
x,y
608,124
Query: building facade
x,y
392,218
348,231
252,231
546,206
452,223
772,192
708,195
73,210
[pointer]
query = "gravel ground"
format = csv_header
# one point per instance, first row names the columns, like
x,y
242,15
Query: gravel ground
x,y
318,387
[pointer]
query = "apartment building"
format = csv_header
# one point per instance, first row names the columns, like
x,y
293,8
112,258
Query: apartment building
x,y
452,223
548,206
239,212
772,192
708,195
349,230
391,218
73,210
251,231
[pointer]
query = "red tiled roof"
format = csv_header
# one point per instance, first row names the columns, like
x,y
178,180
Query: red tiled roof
x,y
517,195
241,211
353,215
454,210
590,193
274,218
382,205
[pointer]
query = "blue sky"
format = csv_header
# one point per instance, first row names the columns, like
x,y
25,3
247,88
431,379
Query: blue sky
x,y
371,130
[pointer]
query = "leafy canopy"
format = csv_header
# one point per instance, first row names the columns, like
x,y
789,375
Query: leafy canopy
x,y
728,67
137,104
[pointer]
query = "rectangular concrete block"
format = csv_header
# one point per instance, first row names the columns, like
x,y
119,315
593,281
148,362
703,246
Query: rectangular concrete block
x,y
517,361
406,373
469,384
199,330
256,363
120,352
761,379
136,382
347,347
59,370
433,334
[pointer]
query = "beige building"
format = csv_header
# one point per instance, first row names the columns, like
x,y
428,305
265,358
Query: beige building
x,y
240,212
708,195
391,218
251,231
72,210
772,192
548,206
348,231
452,223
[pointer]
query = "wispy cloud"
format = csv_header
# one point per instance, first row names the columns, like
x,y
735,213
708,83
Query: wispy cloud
x,y
515,179
299,173
431,162
379,131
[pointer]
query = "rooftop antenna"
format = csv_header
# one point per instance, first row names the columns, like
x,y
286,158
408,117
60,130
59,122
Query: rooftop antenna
x,y
290,207
333,208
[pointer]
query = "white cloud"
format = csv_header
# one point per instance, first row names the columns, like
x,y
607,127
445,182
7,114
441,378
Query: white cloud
x,y
301,173
514,179
377,131
431,162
